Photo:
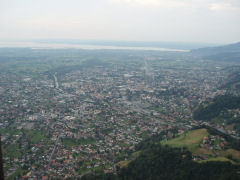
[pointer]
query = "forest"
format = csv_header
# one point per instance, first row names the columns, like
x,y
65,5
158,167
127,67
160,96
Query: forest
x,y
156,161
211,109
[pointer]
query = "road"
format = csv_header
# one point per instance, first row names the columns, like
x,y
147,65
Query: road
x,y
56,80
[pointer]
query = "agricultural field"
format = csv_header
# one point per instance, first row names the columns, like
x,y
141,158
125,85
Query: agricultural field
x,y
189,140
193,141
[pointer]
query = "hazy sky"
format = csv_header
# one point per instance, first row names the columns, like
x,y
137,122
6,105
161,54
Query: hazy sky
x,y
214,21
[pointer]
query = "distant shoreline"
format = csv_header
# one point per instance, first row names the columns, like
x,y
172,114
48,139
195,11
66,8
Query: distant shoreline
x,y
37,45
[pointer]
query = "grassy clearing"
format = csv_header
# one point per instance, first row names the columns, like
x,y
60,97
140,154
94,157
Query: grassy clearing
x,y
205,151
144,135
68,142
222,159
10,132
12,150
35,136
231,152
14,175
136,154
122,164
189,140
122,144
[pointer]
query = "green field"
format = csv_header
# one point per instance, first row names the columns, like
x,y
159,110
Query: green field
x,y
190,140
122,164
68,142
35,136
14,175
12,151
220,158
231,152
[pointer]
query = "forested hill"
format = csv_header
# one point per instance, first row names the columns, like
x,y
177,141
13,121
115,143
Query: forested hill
x,y
221,53
156,161
213,108
163,162
216,50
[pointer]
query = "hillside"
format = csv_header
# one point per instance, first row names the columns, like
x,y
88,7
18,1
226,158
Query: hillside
x,y
163,162
221,109
213,108
206,146
190,139
161,159
221,53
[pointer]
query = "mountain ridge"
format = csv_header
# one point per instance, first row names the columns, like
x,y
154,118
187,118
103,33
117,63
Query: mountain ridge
x,y
217,49
230,52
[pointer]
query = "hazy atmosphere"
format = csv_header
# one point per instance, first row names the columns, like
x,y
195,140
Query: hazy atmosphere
x,y
211,21
120,89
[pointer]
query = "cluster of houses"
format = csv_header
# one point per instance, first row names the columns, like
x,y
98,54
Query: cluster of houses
x,y
90,118
213,142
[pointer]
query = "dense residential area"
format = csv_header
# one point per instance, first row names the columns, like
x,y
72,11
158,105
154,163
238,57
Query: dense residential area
x,y
66,113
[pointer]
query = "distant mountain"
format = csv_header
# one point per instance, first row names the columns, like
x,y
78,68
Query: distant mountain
x,y
153,44
229,52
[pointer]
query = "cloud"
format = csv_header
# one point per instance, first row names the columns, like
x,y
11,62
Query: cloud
x,y
223,7
213,5
152,3
140,20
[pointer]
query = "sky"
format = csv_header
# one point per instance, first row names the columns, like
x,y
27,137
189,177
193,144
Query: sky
x,y
207,21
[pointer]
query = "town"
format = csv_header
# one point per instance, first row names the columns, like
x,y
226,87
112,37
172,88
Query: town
x,y
66,122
